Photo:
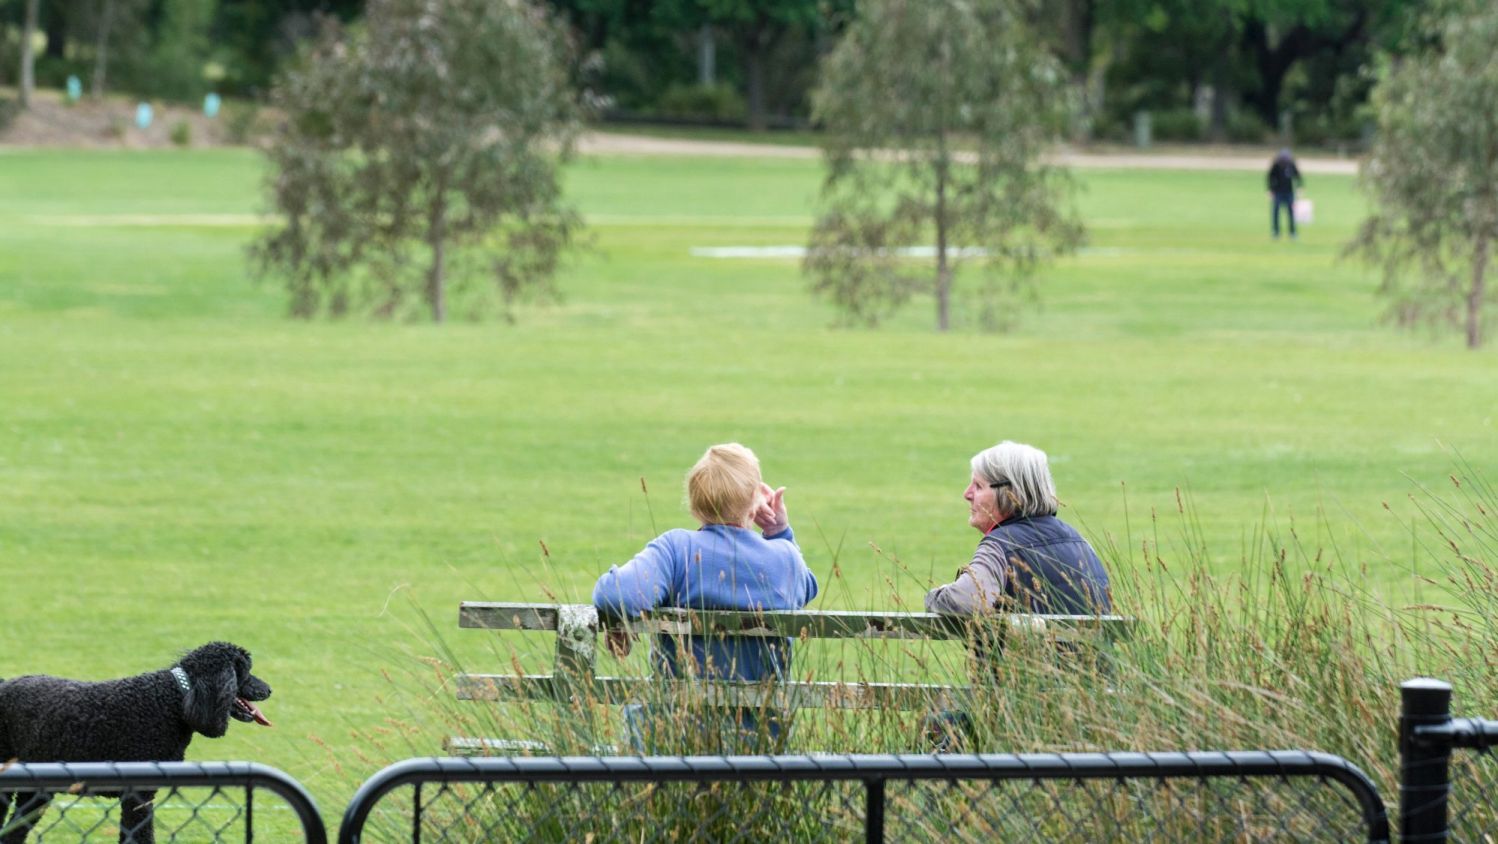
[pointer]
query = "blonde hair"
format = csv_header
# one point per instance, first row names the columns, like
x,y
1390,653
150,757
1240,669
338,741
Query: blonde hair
x,y
721,488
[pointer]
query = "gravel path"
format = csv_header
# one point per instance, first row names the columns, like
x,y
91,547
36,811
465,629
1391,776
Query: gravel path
x,y
609,143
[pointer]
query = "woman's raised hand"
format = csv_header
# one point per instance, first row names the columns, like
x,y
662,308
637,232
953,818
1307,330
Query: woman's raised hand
x,y
770,515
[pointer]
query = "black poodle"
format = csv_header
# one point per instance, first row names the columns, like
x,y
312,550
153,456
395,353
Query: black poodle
x,y
146,718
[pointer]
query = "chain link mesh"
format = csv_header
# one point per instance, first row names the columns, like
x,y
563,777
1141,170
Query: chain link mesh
x,y
147,802
624,812
1221,809
1473,805
205,814
1070,809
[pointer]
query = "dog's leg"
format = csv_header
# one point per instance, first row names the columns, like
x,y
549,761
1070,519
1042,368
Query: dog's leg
x,y
28,810
137,823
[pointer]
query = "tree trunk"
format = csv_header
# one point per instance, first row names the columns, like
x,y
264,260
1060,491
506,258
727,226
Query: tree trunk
x,y
1476,293
707,54
1273,63
943,270
28,59
1079,20
754,66
437,239
56,28
101,49
1217,128
754,41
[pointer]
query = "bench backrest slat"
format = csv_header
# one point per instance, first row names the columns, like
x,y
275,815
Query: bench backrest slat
x,y
815,624
804,695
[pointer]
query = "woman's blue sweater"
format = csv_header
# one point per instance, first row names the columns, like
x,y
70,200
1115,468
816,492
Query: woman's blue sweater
x,y
719,567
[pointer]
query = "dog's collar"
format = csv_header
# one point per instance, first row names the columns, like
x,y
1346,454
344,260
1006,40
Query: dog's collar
x,y
181,675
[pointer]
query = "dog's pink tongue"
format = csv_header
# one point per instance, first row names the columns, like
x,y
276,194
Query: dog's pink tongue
x,y
255,713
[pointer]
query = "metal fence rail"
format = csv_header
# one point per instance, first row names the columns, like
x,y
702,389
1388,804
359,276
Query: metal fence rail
x,y
1427,736
136,801
1198,796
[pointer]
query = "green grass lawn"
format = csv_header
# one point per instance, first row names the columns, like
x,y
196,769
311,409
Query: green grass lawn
x,y
182,463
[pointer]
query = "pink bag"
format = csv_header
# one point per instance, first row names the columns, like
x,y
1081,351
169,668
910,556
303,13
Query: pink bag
x,y
1304,211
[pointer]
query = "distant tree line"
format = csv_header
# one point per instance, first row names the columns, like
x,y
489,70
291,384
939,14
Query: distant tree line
x,y
171,49
394,107
1226,70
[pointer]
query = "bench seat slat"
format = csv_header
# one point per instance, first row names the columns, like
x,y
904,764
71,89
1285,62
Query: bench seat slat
x,y
617,690
814,624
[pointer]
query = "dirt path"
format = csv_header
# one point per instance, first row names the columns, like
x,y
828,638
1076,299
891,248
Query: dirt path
x,y
609,143
51,123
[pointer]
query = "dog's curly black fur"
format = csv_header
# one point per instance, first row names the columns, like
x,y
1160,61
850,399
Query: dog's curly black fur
x,y
146,718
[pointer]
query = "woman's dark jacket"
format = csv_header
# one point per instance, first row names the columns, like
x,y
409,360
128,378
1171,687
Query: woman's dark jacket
x,y
1035,565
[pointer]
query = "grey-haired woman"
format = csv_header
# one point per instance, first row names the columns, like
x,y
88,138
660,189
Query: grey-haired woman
x,y
1028,560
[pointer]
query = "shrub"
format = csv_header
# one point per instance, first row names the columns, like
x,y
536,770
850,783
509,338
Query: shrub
x,y
1177,124
712,103
242,122
181,134
1245,127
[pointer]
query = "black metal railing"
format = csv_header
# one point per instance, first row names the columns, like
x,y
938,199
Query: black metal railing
x,y
138,801
1444,795
1434,804
1199,796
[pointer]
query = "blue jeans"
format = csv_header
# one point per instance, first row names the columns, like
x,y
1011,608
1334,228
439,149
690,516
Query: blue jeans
x,y
731,731
1286,201
948,731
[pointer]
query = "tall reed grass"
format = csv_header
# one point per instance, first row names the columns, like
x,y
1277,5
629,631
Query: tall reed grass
x,y
1291,652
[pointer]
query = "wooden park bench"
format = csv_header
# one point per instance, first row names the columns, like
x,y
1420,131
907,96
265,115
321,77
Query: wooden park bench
x,y
577,627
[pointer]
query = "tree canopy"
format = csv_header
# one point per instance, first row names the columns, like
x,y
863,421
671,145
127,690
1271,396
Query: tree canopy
x,y
1433,175
937,113
431,132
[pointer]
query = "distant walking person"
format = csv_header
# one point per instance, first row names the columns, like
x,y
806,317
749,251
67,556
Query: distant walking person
x,y
1284,177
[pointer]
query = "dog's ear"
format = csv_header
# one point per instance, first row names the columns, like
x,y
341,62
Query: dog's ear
x,y
208,701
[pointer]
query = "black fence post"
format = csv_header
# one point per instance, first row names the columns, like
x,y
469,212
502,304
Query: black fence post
x,y
873,822
1424,762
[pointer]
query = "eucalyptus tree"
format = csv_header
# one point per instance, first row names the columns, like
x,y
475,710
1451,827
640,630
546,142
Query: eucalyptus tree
x,y
937,114
424,140
1433,175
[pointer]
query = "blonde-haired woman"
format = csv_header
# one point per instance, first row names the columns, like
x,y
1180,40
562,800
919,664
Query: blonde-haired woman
x,y
723,565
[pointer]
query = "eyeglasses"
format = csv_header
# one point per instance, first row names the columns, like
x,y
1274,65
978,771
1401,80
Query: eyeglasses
x,y
1001,483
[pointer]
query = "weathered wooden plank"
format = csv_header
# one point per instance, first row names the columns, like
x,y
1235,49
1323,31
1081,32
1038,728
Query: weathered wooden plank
x,y
479,746
617,690
470,746
812,624
494,615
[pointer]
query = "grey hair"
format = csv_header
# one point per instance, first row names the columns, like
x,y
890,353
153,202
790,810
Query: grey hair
x,y
1030,490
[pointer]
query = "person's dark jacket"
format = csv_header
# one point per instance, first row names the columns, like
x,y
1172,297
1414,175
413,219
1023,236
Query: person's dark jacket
x,y
1036,565
1283,177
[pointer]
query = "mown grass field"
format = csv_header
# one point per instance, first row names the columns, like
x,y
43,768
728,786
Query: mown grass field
x,y
181,463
